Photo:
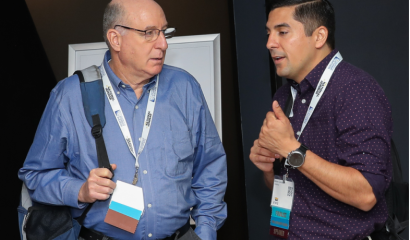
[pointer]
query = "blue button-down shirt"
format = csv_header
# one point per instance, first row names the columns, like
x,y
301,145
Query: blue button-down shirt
x,y
351,126
183,164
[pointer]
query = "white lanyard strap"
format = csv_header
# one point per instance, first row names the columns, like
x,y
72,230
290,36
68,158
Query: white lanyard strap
x,y
320,89
116,109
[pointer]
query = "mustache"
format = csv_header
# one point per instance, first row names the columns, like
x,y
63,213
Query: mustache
x,y
276,53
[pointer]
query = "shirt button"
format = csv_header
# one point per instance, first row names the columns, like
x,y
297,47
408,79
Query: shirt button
x,y
150,235
123,86
303,100
139,139
149,205
145,171
118,92
298,133
136,107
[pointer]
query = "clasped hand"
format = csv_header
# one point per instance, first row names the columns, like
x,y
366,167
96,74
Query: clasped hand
x,y
276,139
98,186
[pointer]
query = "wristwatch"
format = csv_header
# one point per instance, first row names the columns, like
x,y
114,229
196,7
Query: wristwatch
x,y
296,158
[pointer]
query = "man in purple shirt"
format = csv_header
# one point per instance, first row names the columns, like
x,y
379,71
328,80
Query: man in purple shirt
x,y
341,180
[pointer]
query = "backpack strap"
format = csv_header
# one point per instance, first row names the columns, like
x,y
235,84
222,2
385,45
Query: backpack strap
x,y
92,92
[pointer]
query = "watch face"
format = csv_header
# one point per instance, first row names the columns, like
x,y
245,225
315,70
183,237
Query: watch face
x,y
296,159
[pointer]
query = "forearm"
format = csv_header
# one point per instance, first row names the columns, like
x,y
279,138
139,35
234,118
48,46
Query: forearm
x,y
52,186
269,178
345,184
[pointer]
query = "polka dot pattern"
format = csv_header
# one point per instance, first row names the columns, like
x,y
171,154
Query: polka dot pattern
x,y
351,126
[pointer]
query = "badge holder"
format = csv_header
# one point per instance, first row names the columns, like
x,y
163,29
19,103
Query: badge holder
x,y
281,204
126,207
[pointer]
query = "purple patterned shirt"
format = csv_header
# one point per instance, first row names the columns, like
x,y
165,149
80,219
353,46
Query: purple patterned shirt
x,y
351,126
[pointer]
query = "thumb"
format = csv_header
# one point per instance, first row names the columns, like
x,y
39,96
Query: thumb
x,y
278,110
114,166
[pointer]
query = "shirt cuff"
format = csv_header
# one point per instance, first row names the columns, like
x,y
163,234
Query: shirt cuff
x,y
205,232
377,182
70,193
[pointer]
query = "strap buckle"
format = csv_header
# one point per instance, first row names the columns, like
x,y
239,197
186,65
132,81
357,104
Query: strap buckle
x,y
96,131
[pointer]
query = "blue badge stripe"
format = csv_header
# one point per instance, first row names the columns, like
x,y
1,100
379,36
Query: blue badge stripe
x,y
279,222
127,211
280,213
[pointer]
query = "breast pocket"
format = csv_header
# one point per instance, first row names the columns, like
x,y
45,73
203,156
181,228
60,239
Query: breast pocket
x,y
179,153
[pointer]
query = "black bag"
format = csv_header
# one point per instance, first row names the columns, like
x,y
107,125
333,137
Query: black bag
x,y
43,222
397,198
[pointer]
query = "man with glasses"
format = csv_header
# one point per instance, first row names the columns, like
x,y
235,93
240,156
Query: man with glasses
x,y
182,163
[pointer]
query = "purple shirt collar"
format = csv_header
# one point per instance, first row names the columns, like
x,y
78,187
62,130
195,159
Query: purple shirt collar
x,y
313,78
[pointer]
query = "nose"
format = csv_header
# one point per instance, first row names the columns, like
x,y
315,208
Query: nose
x,y
272,41
161,42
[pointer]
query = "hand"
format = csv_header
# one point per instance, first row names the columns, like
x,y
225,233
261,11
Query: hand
x,y
98,185
276,133
262,158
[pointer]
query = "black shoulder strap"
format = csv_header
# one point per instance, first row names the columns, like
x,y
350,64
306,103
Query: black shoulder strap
x,y
288,105
92,92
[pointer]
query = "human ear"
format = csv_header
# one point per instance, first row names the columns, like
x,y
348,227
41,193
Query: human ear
x,y
115,39
320,36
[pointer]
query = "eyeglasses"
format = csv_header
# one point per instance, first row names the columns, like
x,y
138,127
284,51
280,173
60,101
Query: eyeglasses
x,y
152,34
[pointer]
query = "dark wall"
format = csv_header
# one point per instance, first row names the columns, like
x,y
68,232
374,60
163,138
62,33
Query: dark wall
x,y
64,22
60,23
367,39
372,35
27,79
255,102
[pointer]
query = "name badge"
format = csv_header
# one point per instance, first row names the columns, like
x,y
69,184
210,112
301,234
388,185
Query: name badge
x,y
283,193
281,204
126,207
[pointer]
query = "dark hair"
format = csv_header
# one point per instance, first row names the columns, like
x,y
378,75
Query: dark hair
x,y
311,13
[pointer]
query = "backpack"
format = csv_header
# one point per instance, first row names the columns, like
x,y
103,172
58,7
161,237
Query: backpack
x,y
397,198
40,221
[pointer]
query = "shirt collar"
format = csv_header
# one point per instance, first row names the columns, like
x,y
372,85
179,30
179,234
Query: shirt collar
x,y
313,78
116,81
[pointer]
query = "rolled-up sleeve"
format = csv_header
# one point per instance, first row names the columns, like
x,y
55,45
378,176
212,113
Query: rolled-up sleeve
x,y
44,170
364,126
209,175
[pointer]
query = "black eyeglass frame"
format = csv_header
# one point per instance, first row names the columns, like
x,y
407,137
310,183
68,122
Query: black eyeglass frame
x,y
168,35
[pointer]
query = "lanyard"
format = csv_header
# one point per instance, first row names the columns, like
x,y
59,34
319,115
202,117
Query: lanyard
x,y
320,89
116,109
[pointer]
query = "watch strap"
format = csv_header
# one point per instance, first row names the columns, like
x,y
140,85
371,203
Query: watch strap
x,y
303,148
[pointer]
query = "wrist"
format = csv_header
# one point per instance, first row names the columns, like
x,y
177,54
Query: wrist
x,y
269,175
81,198
289,148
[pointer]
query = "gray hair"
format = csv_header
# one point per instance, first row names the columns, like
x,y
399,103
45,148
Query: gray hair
x,y
113,15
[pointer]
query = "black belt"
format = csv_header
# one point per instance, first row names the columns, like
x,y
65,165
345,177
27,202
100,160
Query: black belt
x,y
180,232
89,234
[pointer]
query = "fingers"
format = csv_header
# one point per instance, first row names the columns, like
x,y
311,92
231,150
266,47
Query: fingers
x,y
103,182
103,172
260,154
98,185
